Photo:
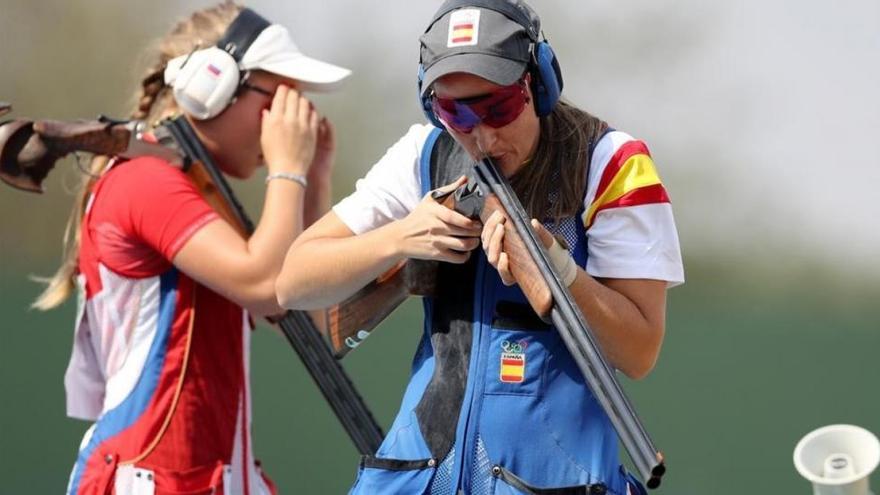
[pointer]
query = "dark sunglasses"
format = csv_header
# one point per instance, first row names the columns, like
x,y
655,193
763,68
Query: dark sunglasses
x,y
496,109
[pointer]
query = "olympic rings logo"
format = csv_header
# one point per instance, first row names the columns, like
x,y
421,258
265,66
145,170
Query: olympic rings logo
x,y
514,347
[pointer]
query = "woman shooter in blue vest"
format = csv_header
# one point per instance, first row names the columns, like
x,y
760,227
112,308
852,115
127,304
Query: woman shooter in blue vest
x,y
495,403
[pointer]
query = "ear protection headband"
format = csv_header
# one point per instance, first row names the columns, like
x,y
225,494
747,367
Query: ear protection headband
x,y
544,67
206,81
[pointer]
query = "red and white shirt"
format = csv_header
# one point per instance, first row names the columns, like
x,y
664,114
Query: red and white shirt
x,y
159,361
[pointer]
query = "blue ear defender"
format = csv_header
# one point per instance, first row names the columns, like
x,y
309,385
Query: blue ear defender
x,y
546,79
425,101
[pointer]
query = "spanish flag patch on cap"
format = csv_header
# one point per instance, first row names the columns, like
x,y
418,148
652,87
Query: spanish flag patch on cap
x,y
464,28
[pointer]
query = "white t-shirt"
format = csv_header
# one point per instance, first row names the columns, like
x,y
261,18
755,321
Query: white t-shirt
x,y
628,218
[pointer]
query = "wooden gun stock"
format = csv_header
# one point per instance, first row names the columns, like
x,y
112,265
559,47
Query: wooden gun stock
x,y
92,136
30,149
352,321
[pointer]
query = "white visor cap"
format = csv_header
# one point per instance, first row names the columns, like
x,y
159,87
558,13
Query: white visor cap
x,y
274,51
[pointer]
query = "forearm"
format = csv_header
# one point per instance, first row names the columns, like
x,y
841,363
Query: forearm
x,y
280,223
321,271
317,201
630,336
329,263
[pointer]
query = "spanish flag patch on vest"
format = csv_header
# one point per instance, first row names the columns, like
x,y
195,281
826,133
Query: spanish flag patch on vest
x,y
513,361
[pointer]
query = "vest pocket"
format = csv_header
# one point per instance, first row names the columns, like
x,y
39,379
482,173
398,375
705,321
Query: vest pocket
x,y
148,480
378,475
517,353
507,483
134,480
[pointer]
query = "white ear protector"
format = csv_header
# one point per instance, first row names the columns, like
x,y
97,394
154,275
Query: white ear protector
x,y
205,81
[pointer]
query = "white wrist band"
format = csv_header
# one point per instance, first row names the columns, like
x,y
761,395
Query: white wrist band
x,y
298,178
563,262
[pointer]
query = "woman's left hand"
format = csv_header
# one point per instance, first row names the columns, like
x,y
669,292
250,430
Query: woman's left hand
x,y
317,199
492,240
628,315
325,154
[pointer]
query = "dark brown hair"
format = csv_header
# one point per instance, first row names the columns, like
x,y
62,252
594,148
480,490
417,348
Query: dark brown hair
x,y
553,184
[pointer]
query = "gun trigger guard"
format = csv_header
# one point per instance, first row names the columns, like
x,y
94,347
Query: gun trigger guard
x,y
438,195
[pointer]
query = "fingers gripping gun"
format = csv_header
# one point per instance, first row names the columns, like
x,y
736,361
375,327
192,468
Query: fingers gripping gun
x,y
485,192
351,321
29,150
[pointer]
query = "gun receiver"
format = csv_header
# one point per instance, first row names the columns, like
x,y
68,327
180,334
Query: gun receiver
x,y
354,319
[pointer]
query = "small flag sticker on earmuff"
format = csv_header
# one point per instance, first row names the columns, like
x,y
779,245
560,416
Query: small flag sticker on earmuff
x,y
464,28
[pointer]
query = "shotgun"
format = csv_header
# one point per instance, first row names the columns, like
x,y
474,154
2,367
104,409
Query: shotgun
x,y
485,192
29,150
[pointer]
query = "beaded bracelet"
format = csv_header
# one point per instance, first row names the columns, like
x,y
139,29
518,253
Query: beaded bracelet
x,y
299,179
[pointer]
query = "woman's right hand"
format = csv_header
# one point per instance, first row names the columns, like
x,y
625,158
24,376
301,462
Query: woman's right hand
x,y
289,132
434,232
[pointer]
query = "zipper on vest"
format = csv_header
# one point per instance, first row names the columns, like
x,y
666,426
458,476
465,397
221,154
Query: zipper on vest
x,y
470,405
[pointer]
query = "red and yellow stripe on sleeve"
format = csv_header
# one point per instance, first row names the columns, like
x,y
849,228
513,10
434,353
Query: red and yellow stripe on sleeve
x,y
630,179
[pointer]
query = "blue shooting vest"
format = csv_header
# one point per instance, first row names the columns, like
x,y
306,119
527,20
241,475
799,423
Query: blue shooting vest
x,y
495,402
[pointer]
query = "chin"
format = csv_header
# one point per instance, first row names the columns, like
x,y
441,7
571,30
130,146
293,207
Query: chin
x,y
507,166
238,172
244,174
